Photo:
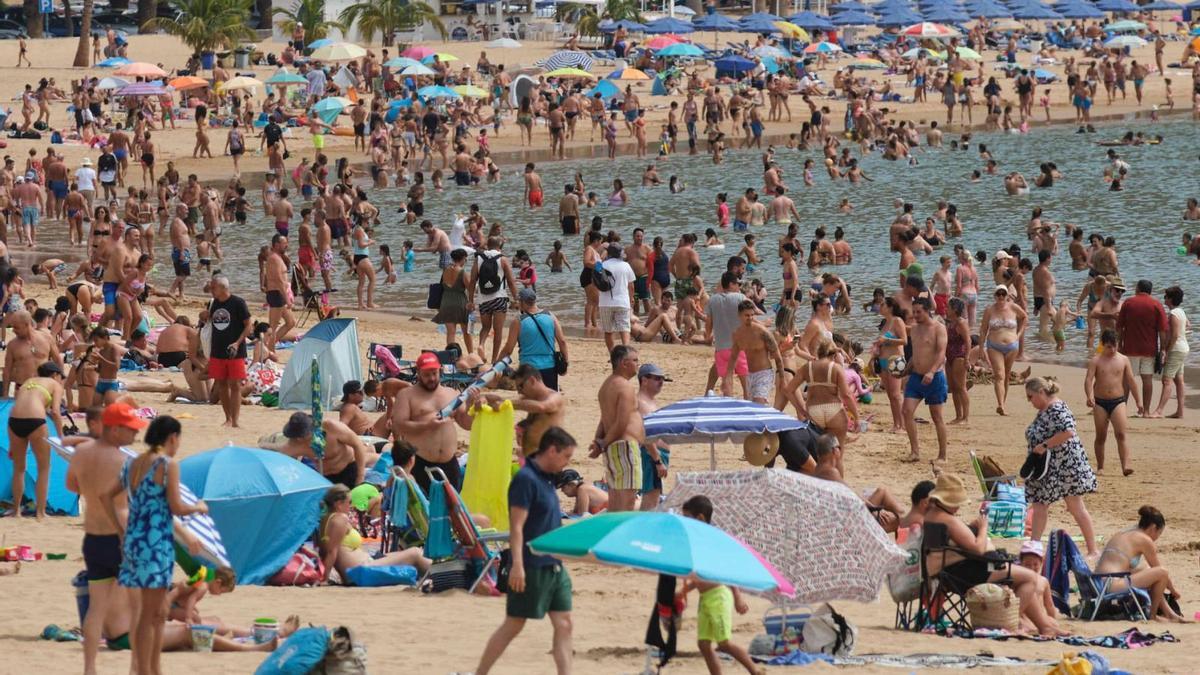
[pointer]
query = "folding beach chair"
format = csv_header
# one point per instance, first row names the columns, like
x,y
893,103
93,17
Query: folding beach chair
x,y
990,475
406,513
453,536
1007,512
1098,599
944,595
383,361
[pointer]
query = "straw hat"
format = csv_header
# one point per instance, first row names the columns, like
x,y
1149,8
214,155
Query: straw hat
x,y
760,449
950,491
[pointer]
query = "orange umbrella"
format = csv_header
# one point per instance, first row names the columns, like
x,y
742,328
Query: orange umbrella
x,y
188,82
140,69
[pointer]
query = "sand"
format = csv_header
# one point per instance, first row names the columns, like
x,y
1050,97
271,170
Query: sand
x,y
408,632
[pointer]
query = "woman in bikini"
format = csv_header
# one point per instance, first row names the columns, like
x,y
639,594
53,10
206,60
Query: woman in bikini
x,y
1125,553
819,326
35,399
827,393
341,544
889,347
1000,332
966,283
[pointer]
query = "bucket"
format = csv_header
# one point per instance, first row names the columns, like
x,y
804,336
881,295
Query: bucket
x,y
202,637
207,59
265,630
82,599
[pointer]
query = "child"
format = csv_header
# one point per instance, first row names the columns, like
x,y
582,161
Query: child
x,y
203,253
1170,94
385,263
688,316
482,140
757,294
711,240
591,200
808,173
409,257
664,142
876,300
941,286
714,617
589,499
51,267
437,180
845,206
556,260
854,381
792,143
1046,104
1059,323
722,210
525,272
749,254
183,597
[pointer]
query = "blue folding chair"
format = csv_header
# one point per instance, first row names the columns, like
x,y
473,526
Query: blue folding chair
x,y
1096,592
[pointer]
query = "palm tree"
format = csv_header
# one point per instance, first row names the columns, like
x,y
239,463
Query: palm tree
x,y
207,25
33,18
310,13
389,17
587,19
83,51
147,9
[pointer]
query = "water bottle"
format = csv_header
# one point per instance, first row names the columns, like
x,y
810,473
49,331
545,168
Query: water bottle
x,y
1080,322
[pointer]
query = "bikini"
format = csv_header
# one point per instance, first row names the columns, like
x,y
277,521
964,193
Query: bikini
x,y
884,360
1003,348
821,413
22,427
352,541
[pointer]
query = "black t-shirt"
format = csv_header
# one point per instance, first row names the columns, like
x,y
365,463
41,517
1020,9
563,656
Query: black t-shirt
x,y
796,446
228,319
431,120
273,133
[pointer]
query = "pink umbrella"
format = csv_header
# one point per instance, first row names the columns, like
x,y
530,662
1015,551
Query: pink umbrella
x,y
785,587
418,52
659,41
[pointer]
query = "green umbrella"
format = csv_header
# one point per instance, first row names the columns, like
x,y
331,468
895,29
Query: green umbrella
x,y
318,414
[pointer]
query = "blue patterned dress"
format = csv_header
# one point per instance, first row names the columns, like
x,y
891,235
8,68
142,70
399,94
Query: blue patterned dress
x,y
149,537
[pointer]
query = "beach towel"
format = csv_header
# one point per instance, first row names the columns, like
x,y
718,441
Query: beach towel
x,y
485,487
1057,569
438,543
664,616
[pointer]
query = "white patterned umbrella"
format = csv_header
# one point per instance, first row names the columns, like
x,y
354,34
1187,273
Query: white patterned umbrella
x,y
817,533
566,59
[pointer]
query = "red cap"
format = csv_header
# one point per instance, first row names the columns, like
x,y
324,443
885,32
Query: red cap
x,y
122,415
428,361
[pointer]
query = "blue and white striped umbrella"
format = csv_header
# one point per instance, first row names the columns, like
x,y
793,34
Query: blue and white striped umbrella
x,y
199,525
566,59
716,418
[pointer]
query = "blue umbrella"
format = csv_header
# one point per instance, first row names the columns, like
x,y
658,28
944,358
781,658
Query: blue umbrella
x,y
317,44
680,49
631,26
890,5
437,91
328,109
1162,6
853,18
605,88
987,9
899,17
566,59
1116,6
715,418
264,503
945,14
1078,9
114,62
758,24
669,24
714,22
765,16
734,64
849,6
1034,11
811,21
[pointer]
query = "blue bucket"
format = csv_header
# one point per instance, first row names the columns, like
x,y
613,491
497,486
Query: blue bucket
x,y
207,59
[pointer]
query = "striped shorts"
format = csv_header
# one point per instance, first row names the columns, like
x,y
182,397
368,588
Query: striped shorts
x,y
623,466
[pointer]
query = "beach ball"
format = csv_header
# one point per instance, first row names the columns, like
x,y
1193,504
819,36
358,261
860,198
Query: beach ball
x,y
361,496
1181,250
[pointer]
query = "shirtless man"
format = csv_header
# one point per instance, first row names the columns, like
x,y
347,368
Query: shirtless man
x,y
346,455
927,379
415,419
278,307
636,254
436,241
1105,312
620,433
782,208
1107,386
94,469
28,196
190,197
772,179
545,407
283,211
742,210
179,345
761,349
1044,292
556,121
351,413
181,251
118,140
568,210
56,181
682,259
29,349
324,250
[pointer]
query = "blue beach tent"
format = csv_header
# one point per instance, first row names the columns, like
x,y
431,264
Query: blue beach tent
x,y
59,500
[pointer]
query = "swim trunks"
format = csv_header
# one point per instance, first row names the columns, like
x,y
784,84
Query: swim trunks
x,y
110,292
623,466
650,478
327,261
101,557
535,198
714,618
762,385
29,215
59,188
641,287
182,261
721,360
614,319
276,299
933,393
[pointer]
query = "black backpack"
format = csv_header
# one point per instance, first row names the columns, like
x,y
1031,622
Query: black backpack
x,y
490,280
602,279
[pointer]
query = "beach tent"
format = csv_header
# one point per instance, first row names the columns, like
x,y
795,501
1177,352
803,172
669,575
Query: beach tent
x,y
59,500
606,89
522,86
334,344
658,88
264,503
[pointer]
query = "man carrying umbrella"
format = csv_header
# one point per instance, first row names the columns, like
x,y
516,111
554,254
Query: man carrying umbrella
x,y
537,584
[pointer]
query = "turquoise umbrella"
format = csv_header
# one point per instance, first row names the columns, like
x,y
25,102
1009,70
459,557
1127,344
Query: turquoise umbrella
x,y
401,62
661,543
285,78
437,91
329,108
681,49
318,413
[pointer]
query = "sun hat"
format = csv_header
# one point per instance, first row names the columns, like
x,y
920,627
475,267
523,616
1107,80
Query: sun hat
x,y
760,449
428,361
1002,255
122,415
86,162
950,491
1033,547
1000,287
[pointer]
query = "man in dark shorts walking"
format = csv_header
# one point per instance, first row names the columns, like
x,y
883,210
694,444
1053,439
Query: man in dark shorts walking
x,y
537,584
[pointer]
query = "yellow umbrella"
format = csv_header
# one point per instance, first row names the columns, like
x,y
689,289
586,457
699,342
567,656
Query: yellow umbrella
x,y
570,72
188,82
631,74
242,82
792,30
470,91
446,57
339,51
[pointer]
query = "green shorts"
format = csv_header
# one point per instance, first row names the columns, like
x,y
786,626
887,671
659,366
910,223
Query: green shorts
x,y
193,215
641,287
1060,337
119,644
547,589
681,288
714,619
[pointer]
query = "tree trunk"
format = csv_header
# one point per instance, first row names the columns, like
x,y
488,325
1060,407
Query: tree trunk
x,y
67,16
264,14
33,19
119,4
83,52
146,10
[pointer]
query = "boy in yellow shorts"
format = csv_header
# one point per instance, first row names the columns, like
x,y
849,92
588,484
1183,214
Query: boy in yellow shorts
x,y
715,616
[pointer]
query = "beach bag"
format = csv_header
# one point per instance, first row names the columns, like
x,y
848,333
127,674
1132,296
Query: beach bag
x,y
785,627
904,585
1006,519
602,279
489,274
305,568
435,296
343,656
993,606
446,575
827,632
300,654
560,359
369,576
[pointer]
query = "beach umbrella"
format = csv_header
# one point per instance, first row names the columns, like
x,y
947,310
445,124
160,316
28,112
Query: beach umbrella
x,y
661,543
734,64
1118,6
59,500
140,69
242,82
968,54
504,43
891,5
945,14
418,52
816,533
264,503
659,41
570,72
926,29
714,22
630,26
114,62
1125,26
470,91
329,108
401,62
320,42
772,52
606,89
188,82
681,49
767,16
684,10
566,59
110,83
283,78
1162,6
791,30
437,91
757,24
917,51
628,75
1122,41
899,17
811,21
822,48
318,414
853,18
143,89
868,64
1078,9
849,6
987,9
444,58
339,51
669,25
708,419
1034,11
418,70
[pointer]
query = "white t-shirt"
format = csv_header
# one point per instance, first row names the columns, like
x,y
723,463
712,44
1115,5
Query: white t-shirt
x,y
1181,342
85,176
622,276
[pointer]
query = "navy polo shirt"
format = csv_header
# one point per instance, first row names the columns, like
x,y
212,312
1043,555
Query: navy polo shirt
x,y
533,490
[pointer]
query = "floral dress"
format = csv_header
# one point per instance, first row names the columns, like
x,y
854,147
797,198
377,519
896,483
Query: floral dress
x,y
1068,473
149,551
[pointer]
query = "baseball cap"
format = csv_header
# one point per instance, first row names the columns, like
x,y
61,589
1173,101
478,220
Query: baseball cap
x,y
651,370
428,361
1035,547
527,295
19,180
1002,255
122,415
299,425
351,388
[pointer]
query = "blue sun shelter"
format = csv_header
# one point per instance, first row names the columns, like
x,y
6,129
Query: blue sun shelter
x,y
59,500
334,344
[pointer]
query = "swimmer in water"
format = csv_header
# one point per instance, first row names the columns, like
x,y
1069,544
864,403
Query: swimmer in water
x,y
711,240
1014,184
845,206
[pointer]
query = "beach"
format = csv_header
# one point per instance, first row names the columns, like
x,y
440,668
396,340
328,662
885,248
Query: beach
x,y
406,631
